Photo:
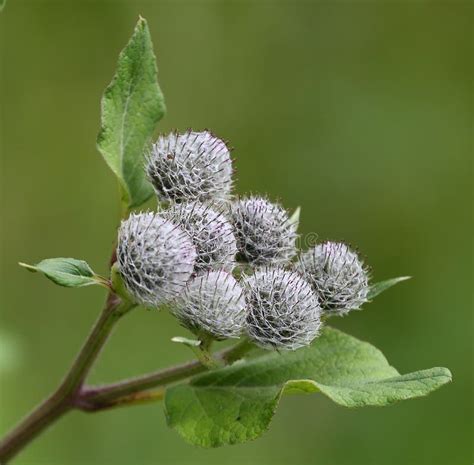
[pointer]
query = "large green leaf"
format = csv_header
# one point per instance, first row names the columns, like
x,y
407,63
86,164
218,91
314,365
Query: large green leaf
x,y
234,404
68,272
132,105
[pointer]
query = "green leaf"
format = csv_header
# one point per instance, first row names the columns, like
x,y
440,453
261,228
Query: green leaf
x,y
2,4
235,404
67,272
132,105
382,286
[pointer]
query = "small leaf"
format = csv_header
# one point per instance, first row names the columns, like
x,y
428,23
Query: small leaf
x,y
67,272
382,286
295,217
132,105
235,404
186,341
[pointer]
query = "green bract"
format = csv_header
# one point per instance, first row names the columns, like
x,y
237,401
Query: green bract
x,y
132,105
235,404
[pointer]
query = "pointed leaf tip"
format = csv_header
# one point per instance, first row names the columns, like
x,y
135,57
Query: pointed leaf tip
x,y
382,286
131,106
28,267
295,217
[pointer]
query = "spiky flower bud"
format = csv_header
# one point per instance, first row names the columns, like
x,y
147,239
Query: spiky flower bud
x,y
210,231
190,166
264,232
337,275
155,258
283,310
212,303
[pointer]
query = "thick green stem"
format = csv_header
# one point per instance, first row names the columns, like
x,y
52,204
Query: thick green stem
x,y
237,351
63,398
203,351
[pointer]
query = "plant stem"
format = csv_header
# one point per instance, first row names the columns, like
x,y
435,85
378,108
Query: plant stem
x,y
237,351
45,414
113,310
140,397
62,399
203,351
95,398
71,393
110,392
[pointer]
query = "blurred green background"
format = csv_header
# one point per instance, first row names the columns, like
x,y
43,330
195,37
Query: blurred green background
x,y
360,112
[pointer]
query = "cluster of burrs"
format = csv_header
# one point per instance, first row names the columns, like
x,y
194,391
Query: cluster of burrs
x,y
226,266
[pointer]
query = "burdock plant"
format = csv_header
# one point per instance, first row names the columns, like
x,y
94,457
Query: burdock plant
x,y
226,268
